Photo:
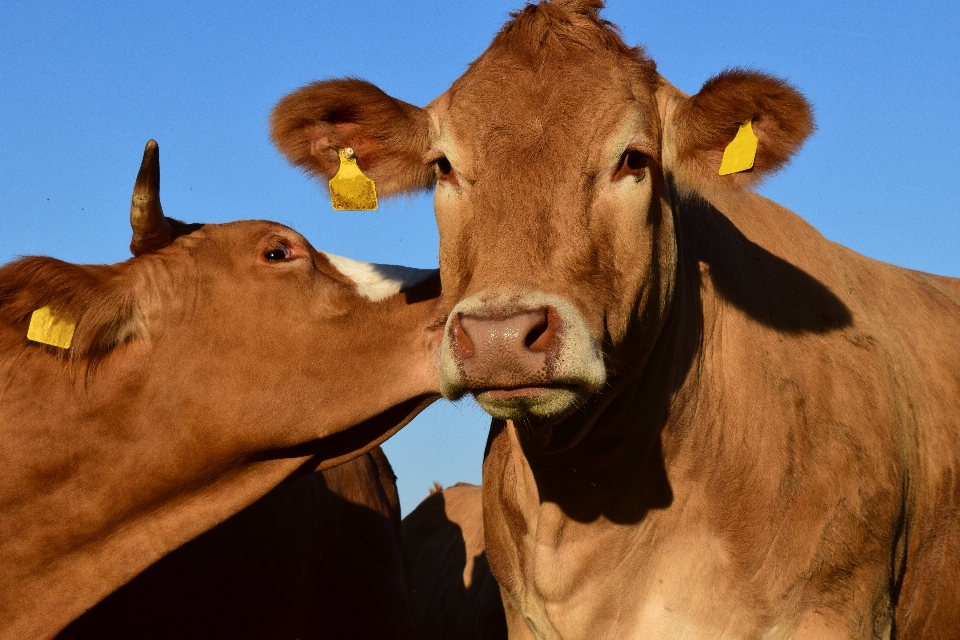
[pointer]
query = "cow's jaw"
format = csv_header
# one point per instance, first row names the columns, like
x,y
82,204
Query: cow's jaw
x,y
524,355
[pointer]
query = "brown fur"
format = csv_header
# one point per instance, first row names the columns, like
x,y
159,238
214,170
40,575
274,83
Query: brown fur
x,y
201,376
775,450
550,29
95,297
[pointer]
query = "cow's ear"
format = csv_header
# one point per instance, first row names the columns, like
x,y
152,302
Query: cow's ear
x,y
389,137
706,123
100,302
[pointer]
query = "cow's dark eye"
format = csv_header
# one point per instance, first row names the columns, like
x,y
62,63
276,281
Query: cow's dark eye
x,y
276,254
635,160
632,163
444,166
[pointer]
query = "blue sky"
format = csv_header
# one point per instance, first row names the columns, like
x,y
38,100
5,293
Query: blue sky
x,y
84,85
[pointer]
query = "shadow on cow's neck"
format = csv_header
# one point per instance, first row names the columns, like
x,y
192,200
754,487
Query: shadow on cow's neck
x,y
767,288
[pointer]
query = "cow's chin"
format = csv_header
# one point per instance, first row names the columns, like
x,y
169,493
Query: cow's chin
x,y
532,403
546,415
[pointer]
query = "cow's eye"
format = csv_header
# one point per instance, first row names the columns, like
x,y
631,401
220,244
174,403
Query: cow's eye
x,y
447,174
280,252
635,160
632,163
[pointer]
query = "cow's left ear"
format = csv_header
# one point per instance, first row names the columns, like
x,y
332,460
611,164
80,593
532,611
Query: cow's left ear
x,y
704,125
389,137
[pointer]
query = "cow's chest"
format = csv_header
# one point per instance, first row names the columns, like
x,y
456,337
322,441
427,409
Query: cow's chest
x,y
604,579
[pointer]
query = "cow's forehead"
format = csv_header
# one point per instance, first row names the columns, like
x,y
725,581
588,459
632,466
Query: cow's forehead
x,y
504,107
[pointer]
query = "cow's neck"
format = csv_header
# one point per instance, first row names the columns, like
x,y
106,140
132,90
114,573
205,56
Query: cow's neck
x,y
649,543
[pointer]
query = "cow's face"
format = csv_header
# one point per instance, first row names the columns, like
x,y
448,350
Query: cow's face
x,y
554,225
267,311
556,159
257,323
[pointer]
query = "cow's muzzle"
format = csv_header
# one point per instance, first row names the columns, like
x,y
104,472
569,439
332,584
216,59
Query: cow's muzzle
x,y
521,355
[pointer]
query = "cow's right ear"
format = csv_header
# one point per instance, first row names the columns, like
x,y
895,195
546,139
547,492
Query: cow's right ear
x,y
389,137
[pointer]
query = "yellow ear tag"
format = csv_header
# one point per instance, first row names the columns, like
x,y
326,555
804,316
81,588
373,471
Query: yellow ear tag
x,y
350,190
741,153
49,329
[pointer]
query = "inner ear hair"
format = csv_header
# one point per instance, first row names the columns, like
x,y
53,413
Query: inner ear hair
x,y
98,299
706,122
389,137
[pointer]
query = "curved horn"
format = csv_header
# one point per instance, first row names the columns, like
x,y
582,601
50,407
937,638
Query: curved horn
x,y
151,230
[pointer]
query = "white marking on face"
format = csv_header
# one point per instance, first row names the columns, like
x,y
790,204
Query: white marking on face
x,y
379,281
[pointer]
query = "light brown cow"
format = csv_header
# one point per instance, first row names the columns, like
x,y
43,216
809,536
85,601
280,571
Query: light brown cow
x,y
203,372
711,421
452,594
318,557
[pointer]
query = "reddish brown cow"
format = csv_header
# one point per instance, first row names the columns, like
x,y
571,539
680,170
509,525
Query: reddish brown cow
x,y
317,557
710,421
203,372
452,594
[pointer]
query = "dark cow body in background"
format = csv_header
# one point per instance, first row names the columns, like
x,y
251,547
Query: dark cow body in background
x,y
217,363
710,421
453,595
317,557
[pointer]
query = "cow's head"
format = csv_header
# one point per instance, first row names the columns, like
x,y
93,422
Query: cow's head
x,y
244,331
557,159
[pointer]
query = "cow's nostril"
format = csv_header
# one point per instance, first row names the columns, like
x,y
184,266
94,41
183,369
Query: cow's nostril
x,y
543,335
527,332
516,351
537,334
534,335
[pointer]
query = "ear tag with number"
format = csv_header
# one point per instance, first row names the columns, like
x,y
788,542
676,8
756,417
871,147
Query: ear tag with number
x,y
741,153
350,190
49,329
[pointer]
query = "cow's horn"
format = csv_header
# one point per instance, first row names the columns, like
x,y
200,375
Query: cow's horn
x,y
151,230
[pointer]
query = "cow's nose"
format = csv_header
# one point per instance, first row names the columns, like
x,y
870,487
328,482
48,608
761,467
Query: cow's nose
x,y
507,350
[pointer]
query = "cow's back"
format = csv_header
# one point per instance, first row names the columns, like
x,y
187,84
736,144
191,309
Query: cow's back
x,y
453,595
317,557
